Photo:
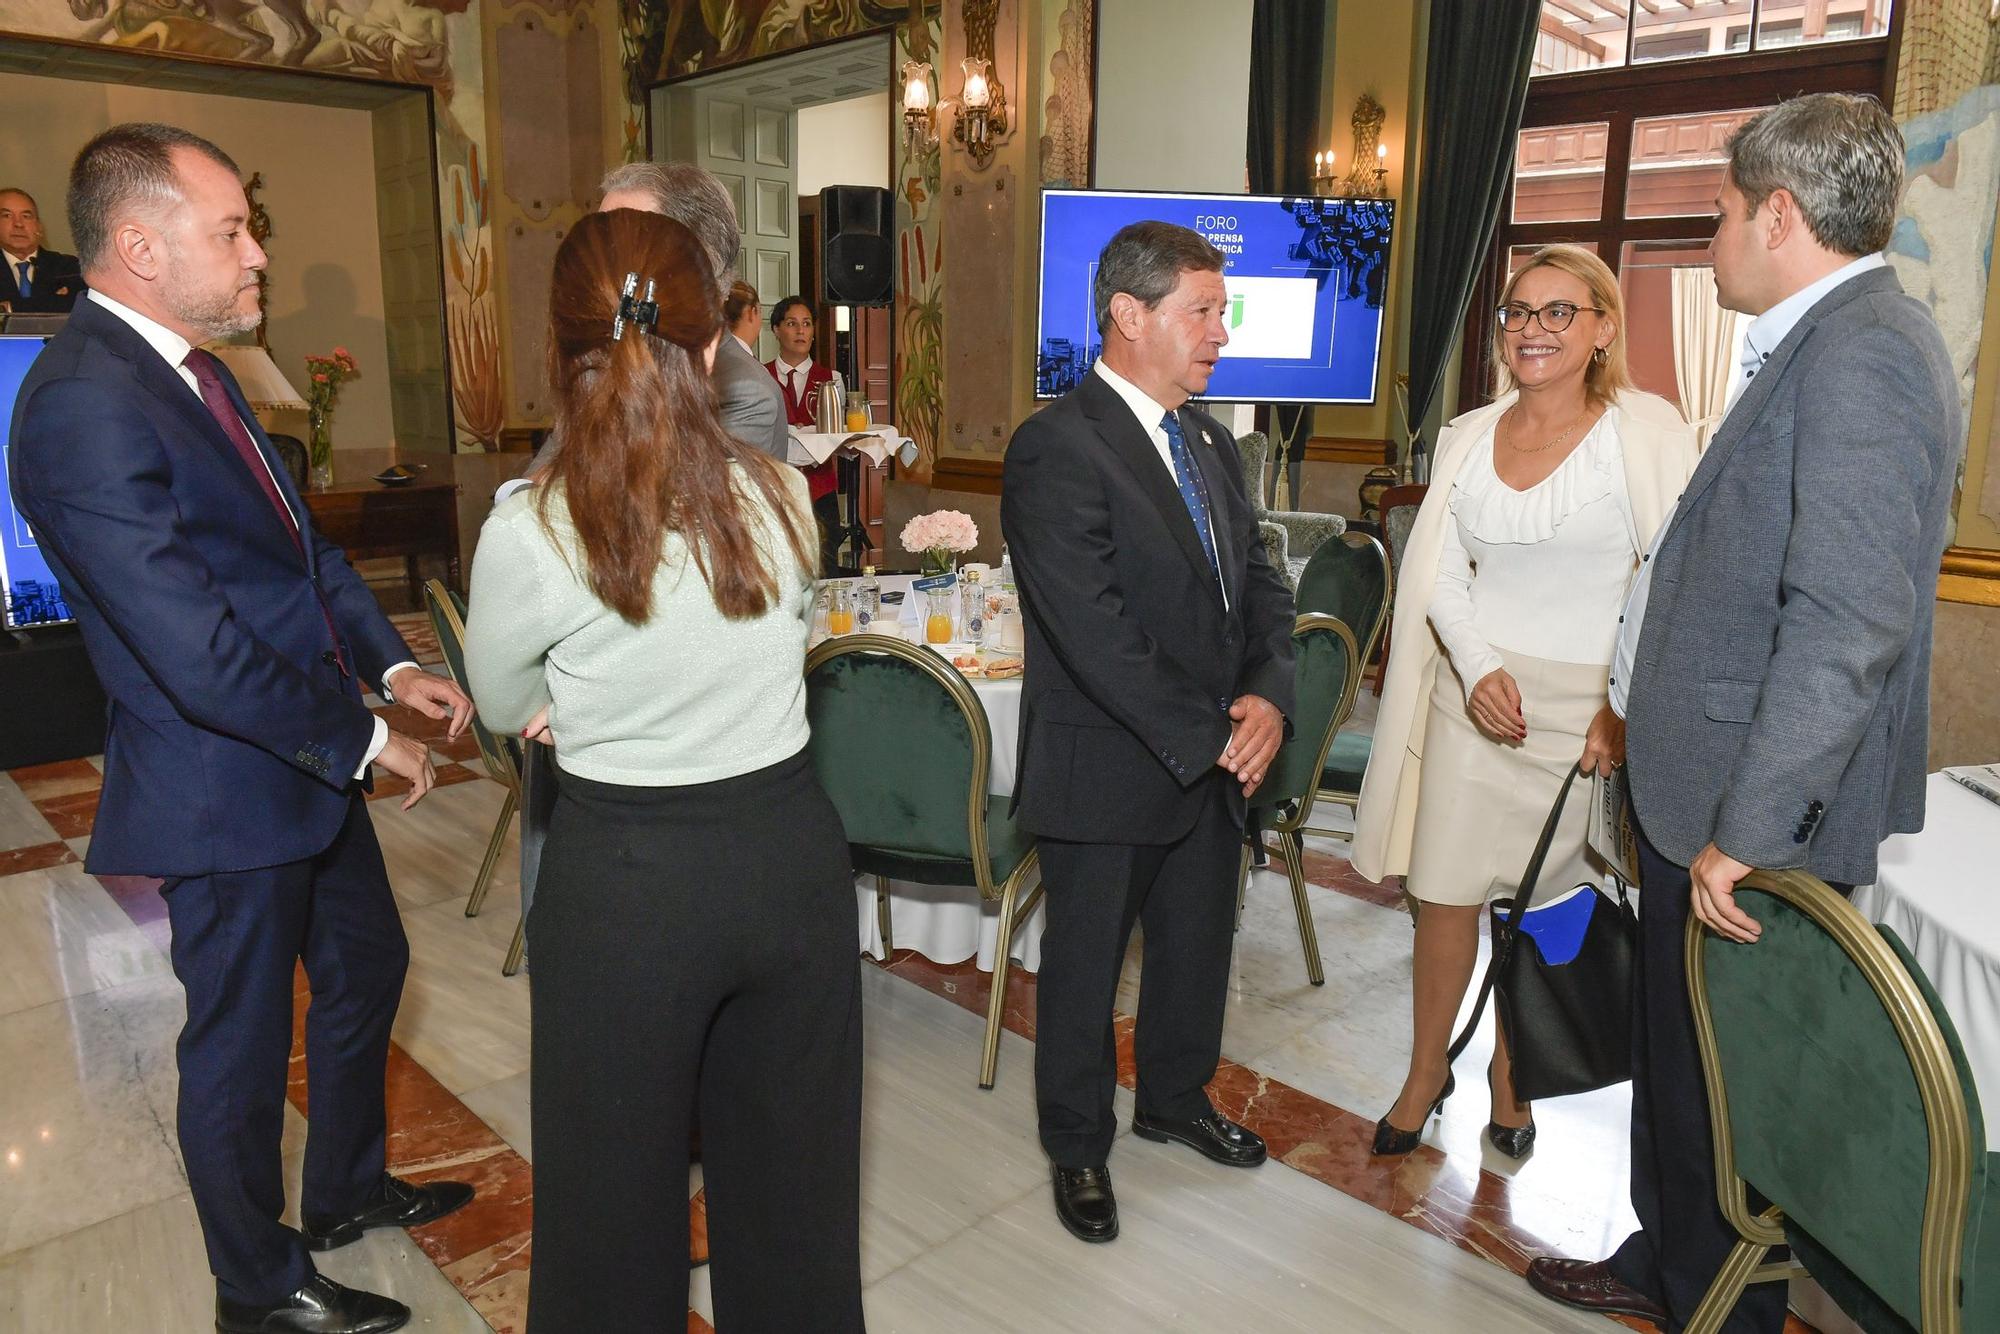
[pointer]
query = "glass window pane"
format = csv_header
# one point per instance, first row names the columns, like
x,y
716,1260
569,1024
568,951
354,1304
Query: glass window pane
x,y
1688,29
1580,34
1518,256
1646,280
1783,23
1677,163
1559,173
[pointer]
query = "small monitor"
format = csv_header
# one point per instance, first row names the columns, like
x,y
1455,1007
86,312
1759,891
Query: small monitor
x,y
1305,277
29,593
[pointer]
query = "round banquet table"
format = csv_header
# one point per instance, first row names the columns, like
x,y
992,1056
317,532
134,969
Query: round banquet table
x,y
1935,891
951,923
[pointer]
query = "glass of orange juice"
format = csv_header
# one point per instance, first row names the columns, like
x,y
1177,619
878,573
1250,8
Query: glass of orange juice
x,y
860,414
840,613
937,625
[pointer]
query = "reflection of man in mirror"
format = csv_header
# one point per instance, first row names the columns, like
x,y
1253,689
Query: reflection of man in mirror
x,y
259,225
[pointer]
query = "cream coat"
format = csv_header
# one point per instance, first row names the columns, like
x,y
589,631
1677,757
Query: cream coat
x,y
1660,454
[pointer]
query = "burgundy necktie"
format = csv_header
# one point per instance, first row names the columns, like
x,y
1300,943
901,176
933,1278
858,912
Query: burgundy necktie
x,y
208,374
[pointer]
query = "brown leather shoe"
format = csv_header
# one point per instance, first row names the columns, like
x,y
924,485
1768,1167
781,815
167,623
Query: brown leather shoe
x,y
1589,1285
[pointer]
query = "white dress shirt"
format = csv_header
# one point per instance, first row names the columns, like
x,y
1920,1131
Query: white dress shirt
x,y
1150,415
173,349
745,346
33,259
794,377
1760,340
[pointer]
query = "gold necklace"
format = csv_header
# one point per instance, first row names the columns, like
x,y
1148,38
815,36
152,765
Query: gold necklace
x,y
1554,440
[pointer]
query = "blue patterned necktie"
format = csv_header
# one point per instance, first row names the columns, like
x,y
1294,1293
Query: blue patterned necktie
x,y
26,284
1194,492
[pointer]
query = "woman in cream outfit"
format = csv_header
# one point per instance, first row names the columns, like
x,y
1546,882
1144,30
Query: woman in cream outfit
x,y
1512,581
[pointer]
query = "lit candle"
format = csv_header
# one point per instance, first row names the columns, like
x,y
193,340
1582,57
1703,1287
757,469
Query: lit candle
x,y
916,87
977,93
1381,153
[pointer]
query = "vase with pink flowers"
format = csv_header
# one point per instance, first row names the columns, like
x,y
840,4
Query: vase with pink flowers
x,y
324,376
939,538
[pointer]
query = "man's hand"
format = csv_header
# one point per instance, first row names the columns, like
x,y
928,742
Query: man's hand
x,y
1256,730
1714,876
406,757
431,695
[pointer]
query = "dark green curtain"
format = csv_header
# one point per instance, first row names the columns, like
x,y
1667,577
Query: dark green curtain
x,y
1475,84
1287,40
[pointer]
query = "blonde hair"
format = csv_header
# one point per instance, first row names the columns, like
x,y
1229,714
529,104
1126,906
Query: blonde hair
x,y
1605,378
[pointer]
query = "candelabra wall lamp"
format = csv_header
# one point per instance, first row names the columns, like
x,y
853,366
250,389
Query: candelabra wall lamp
x,y
1368,177
1323,179
980,118
919,105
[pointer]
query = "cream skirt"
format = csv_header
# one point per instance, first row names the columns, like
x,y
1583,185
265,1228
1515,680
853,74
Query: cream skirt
x,y
1481,804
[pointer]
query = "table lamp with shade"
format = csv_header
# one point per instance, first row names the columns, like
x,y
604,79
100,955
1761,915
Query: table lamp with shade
x,y
264,387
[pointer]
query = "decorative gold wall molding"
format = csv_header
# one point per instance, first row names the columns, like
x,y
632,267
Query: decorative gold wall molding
x,y
955,472
1970,575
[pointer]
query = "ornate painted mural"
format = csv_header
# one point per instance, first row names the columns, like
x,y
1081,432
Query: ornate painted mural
x,y
1069,35
919,269
699,35
435,43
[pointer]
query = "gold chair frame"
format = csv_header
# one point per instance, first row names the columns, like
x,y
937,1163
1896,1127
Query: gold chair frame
x,y
445,617
1013,908
1948,1188
1290,828
1339,796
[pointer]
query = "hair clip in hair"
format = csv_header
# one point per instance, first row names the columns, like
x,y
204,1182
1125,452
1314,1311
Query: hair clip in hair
x,y
644,313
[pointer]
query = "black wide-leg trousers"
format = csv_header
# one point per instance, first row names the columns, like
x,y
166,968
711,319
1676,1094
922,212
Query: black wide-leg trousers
x,y
238,937
1682,1238
696,946
1184,894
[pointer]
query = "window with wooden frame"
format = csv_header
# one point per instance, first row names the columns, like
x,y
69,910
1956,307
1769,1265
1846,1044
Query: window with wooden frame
x,y
1622,140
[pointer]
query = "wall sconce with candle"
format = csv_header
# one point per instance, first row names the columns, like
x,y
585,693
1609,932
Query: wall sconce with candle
x,y
1368,177
1323,178
981,115
919,105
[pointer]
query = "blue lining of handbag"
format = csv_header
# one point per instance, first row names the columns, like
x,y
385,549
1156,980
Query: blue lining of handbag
x,y
1557,927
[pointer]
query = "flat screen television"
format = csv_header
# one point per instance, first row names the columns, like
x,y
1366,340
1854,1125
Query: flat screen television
x,y
29,595
1305,278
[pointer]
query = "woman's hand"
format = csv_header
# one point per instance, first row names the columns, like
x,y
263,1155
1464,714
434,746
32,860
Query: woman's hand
x,y
1604,743
1495,707
538,729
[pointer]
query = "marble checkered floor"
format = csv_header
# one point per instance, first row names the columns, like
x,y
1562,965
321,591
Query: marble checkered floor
x,y
97,1232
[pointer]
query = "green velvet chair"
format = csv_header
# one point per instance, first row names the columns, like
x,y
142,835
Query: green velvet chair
x,y
902,746
503,761
1290,536
1839,1091
1327,672
1349,579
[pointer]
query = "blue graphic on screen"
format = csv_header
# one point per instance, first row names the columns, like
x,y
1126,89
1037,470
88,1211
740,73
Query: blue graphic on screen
x,y
1305,278
27,589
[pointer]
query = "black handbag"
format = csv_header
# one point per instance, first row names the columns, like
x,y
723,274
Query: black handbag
x,y
1561,982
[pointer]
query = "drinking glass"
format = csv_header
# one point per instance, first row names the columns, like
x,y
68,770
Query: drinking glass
x,y
840,611
937,625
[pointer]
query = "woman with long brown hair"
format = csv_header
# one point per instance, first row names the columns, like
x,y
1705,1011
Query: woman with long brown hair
x,y
645,607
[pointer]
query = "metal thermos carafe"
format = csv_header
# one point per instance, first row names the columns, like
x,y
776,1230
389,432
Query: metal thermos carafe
x,y
830,407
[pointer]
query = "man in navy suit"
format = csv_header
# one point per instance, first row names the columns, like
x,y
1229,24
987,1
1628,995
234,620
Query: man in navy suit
x,y
232,640
34,277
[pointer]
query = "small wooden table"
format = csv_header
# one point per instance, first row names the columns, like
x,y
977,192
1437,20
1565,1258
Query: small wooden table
x,y
370,521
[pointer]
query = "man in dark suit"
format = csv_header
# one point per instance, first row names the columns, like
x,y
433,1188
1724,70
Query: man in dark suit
x,y
35,278
232,640
1158,681
1775,649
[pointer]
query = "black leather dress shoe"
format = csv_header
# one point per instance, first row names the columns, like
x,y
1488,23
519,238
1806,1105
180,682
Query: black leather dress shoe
x,y
1085,1203
1589,1285
1214,1136
320,1307
397,1203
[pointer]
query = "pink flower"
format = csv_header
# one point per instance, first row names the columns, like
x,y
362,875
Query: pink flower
x,y
340,352
319,377
940,530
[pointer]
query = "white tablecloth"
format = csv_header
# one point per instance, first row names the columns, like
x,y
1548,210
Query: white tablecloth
x,y
876,444
948,923
1936,891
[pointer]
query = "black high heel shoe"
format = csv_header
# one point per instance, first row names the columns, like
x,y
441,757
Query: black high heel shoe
x,y
1391,1142
1514,1141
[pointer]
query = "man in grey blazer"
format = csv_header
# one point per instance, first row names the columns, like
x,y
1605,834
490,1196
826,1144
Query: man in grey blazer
x,y
1775,650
